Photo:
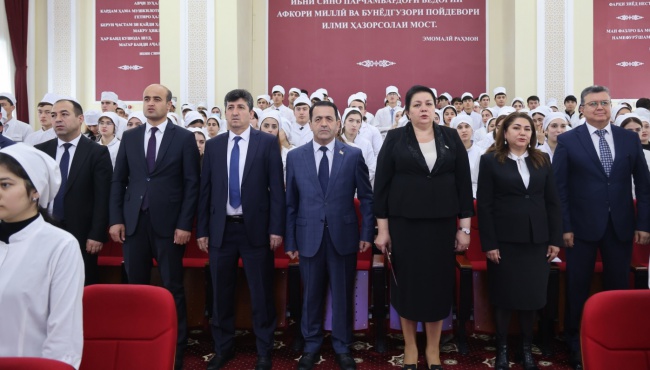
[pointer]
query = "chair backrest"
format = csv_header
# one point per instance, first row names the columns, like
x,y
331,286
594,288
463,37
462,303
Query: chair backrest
x,y
32,363
128,327
615,330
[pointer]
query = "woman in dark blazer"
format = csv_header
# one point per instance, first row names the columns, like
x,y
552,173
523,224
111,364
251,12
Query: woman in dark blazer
x,y
520,224
422,187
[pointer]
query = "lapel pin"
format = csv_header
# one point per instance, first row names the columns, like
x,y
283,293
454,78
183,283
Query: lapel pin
x,y
340,152
446,147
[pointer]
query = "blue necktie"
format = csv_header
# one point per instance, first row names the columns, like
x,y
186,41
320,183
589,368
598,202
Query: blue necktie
x,y
151,163
392,115
64,164
324,170
605,153
233,177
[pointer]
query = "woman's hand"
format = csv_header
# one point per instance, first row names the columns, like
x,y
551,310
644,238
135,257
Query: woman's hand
x,y
382,241
494,255
552,252
462,241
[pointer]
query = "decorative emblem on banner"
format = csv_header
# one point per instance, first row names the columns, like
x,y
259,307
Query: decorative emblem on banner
x,y
630,64
629,17
130,68
376,63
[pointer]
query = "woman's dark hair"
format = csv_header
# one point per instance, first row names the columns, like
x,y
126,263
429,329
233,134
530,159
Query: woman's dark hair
x,y
643,103
629,120
414,90
14,167
501,149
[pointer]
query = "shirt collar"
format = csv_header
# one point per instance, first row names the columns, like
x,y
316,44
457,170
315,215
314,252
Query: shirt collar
x,y
330,146
161,127
9,121
512,156
74,142
593,129
246,135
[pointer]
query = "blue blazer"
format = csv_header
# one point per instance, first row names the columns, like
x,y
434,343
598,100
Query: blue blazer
x,y
588,196
262,190
5,141
308,207
172,186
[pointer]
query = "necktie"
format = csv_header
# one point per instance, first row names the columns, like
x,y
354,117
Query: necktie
x,y
392,115
151,163
64,164
324,170
605,153
233,176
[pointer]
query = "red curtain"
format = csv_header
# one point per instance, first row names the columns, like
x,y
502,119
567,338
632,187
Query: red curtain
x,y
17,11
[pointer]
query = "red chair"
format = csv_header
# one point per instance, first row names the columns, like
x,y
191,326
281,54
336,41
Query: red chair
x,y
615,329
128,327
640,256
32,363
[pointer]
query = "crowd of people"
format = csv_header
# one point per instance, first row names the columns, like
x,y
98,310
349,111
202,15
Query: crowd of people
x,y
260,175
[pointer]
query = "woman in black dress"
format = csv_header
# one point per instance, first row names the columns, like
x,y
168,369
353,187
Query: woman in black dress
x,y
520,224
422,187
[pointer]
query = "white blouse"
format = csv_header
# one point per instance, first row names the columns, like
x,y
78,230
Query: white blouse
x,y
429,152
41,289
522,167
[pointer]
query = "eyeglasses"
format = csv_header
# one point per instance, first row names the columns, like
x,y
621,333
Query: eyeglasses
x,y
595,104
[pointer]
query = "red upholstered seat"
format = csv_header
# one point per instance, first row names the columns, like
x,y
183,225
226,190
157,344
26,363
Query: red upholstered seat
x,y
128,327
615,330
32,363
111,254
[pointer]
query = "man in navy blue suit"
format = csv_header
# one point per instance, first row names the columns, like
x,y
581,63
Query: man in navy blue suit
x,y
241,214
594,166
153,200
322,227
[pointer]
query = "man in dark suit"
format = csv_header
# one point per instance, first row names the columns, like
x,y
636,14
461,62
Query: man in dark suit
x,y
594,165
81,204
241,215
322,227
153,199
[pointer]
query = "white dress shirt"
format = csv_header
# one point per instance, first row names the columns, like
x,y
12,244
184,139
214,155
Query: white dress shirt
x,y
41,288
522,167
60,150
16,130
318,154
608,138
383,120
159,135
429,152
243,150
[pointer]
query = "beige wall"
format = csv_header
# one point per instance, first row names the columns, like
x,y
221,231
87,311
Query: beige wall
x,y
240,47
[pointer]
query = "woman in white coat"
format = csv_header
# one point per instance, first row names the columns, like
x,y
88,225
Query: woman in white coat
x,y
41,269
108,127
351,122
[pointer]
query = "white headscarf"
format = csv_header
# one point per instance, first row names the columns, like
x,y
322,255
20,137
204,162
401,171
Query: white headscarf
x,y
42,170
113,117
553,116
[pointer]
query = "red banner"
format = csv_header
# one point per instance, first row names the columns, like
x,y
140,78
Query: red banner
x,y
127,51
346,46
622,47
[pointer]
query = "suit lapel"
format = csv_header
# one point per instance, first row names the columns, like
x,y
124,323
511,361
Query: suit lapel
x,y
414,147
139,148
167,139
442,150
222,152
310,164
337,159
253,143
588,144
619,147
80,156
51,147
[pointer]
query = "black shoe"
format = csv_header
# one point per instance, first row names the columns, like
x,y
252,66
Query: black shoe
x,y
178,361
527,357
410,367
308,360
346,361
575,360
219,361
263,363
435,367
501,361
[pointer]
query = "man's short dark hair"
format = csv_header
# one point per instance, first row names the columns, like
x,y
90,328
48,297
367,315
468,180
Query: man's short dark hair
x,y
570,98
532,98
76,107
304,91
237,94
592,90
43,103
455,100
7,99
324,103
643,103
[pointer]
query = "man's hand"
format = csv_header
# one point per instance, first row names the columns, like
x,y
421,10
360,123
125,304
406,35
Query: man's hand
x,y
363,246
275,241
552,252
117,233
203,243
641,237
568,240
93,246
494,255
292,255
181,237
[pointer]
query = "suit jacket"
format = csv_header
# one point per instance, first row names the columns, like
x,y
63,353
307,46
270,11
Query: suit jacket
x,y
404,185
172,186
5,142
85,203
262,190
510,212
308,208
589,197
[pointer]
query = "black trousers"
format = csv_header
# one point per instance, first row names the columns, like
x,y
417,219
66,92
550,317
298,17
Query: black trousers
x,y
139,250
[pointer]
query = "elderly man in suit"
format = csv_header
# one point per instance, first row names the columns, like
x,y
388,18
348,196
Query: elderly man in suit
x,y
322,227
594,165
81,205
241,215
153,200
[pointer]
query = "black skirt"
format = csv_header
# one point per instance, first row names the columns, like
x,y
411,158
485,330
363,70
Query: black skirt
x,y
520,280
424,263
